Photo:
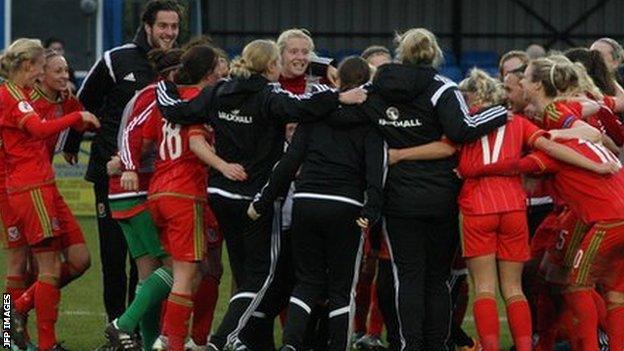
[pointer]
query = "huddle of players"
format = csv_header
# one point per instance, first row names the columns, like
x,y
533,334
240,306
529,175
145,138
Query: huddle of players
x,y
575,268
160,195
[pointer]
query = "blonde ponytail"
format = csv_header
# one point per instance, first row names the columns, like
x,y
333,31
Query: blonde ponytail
x,y
255,59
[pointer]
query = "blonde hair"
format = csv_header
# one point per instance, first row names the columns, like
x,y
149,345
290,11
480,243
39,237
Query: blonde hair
x,y
294,33
255,58
585,83
520,55
418,46
21,50
487,90
558,76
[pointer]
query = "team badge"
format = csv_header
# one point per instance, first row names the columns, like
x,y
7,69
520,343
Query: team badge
x,y
24,107
101,209
55,224
392,113
211,235
13,234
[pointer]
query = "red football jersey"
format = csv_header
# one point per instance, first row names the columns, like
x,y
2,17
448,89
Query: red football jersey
x,y
178,171
487,195
27,160
591,196
49,109
561,115
130,143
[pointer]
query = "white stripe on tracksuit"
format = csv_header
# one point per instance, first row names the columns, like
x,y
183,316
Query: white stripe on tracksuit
x,y
395,275
356,275
255,301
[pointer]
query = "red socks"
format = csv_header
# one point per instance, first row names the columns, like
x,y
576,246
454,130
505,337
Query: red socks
x,y
375,319
583,308
26,302
486,318
547,317
208,292
519,318
615,328
362,302
179,308
15,286
47,298
601,308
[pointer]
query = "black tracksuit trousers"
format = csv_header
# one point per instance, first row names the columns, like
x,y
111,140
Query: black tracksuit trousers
x,y
254,249
422,251
327,251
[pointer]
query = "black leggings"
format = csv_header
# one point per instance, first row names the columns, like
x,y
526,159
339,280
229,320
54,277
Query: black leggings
x,y
422,251
327,250
255,253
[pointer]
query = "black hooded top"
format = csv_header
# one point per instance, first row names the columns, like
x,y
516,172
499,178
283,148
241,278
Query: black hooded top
x,y
110,84
414,105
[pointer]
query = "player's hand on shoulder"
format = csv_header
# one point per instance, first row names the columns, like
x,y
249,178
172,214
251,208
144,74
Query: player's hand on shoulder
x,y
353,96
251,212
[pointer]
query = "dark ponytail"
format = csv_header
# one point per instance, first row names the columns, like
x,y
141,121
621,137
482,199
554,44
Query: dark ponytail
x,y
197,62
163,61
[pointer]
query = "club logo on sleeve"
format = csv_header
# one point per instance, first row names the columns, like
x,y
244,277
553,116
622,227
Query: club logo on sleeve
x,y
13,234
392,113
55,223
24,107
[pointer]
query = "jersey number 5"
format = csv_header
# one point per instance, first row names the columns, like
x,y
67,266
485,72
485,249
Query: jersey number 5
x,y
492,156
171,144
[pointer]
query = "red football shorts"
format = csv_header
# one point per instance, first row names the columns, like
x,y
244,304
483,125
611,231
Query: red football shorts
x,y
182,226
42,213
10,234
504,234
558,259
214,237
600,257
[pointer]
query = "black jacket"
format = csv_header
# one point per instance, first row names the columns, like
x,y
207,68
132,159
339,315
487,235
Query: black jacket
x,y
110,84
411,106
339,164
248,116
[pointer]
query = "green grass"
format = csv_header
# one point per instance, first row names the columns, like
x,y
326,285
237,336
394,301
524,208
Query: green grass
x,y
82,318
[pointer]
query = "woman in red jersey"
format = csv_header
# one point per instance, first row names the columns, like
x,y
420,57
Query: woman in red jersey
x,y
51,100
493,216
41,213
177,193
543,82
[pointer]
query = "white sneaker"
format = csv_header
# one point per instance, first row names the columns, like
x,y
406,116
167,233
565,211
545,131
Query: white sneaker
x,y
192,346
161,343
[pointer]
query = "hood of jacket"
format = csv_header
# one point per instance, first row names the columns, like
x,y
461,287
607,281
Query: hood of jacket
x,y
241,85
402,82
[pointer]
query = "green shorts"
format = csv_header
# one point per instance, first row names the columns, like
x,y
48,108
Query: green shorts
x,y
140,231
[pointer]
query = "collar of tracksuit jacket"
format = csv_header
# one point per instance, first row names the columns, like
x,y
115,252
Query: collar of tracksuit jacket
x,y
397,82
140,40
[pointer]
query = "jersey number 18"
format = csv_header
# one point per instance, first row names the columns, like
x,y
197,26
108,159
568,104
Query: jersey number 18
x,y
171,144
